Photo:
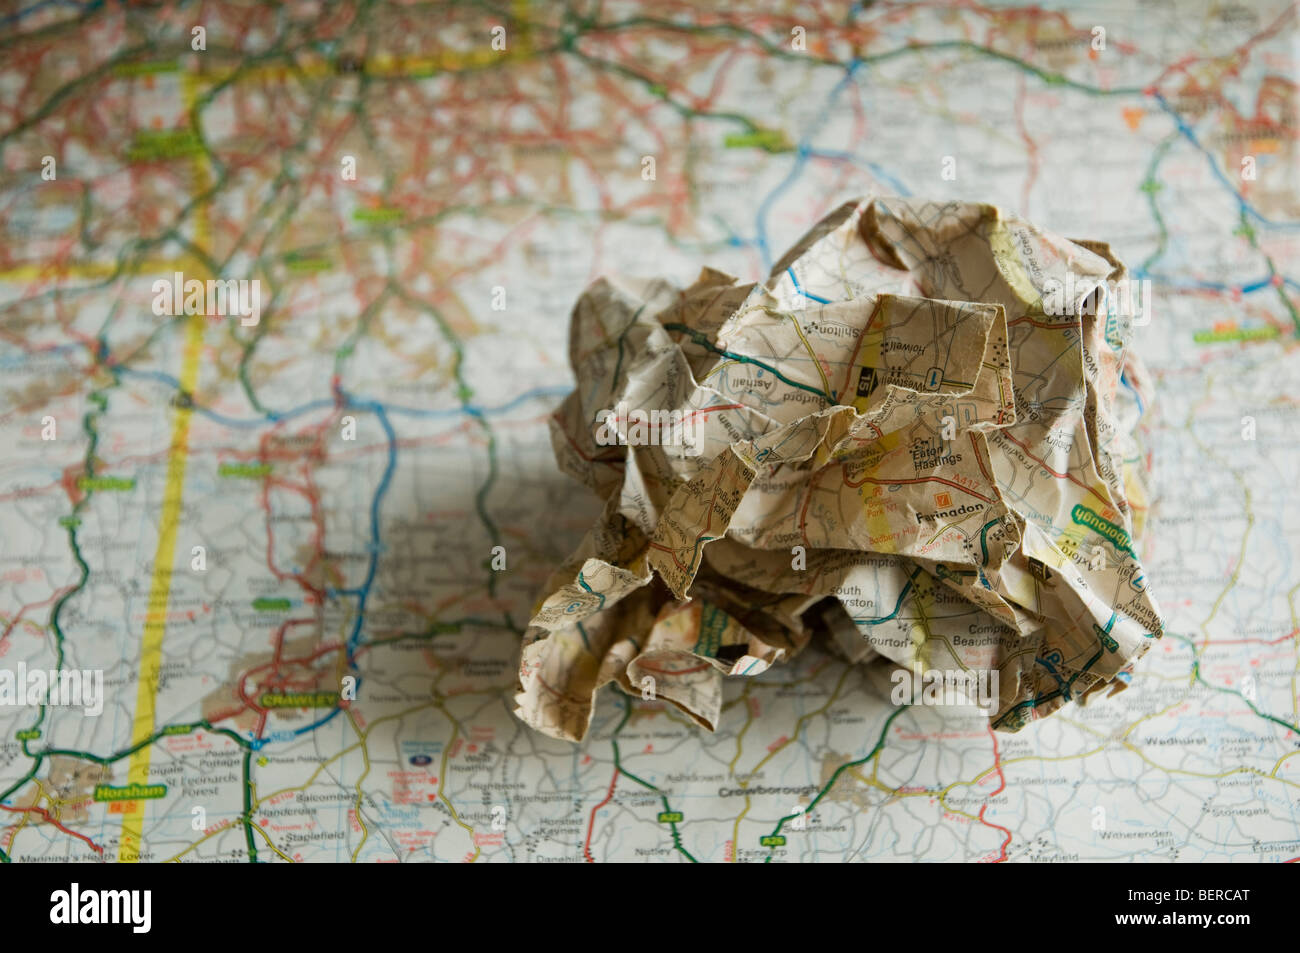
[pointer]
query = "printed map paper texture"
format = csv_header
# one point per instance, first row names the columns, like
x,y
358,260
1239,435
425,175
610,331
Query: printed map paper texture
x,y
292,540
921,396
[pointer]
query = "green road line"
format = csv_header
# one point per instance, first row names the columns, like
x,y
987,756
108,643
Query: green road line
x,y
1052,79
248,805
1247,231
836,776
1295,316
618,766
704,342
1162,242
203,724
464,394
247,356
1063,688
1196,673
160,733
88,422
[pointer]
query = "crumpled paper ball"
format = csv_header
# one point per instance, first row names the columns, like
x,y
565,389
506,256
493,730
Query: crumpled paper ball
x,y
913,442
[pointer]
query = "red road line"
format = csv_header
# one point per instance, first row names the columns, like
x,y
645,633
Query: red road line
x,y
1001,787
45,814
676,671
979,460
32,605
933,479
1060,476
591,825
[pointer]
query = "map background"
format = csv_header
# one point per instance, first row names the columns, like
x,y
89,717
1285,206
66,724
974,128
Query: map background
x,y
479,169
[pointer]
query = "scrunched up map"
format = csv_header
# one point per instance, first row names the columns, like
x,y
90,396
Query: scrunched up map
x,y
914,441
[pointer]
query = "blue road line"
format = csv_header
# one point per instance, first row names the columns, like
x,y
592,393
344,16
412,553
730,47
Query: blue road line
x,y
897,608
1190,136
799,288
1248,288
363,593
273,416
802,155
27,11
375,546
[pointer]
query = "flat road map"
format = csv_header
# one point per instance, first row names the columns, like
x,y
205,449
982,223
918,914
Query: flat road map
x,y
270,523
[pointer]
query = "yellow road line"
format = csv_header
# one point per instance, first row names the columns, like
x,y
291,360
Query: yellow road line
x,y
45,271
519,45
144,723
155,625
442,782
771,751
